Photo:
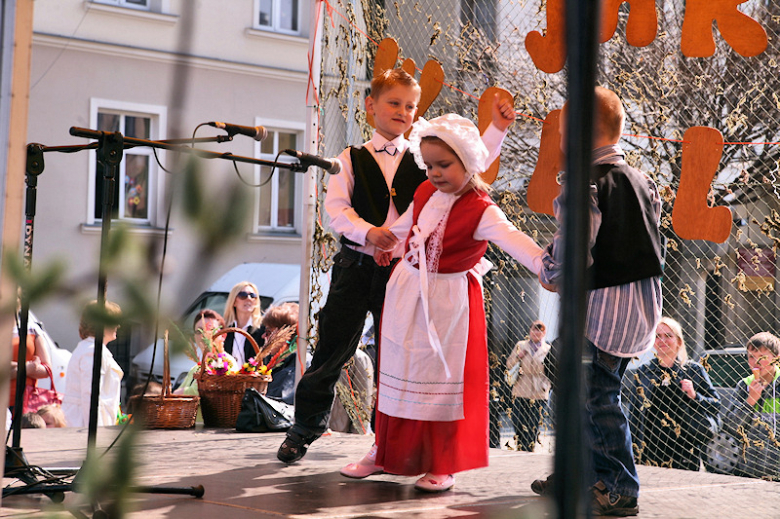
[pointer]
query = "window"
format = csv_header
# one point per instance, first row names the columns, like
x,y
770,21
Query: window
x,y
277,15
136,4
276,202
138,182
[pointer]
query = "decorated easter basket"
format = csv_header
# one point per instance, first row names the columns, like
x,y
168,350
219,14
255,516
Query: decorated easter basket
x,y
221,394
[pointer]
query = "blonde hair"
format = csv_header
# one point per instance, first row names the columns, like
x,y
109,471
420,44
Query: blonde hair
x,y
55,414
390,78
93,317
230,304
676,328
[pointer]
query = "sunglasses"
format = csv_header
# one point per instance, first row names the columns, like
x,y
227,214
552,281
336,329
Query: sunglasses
x,y
243,295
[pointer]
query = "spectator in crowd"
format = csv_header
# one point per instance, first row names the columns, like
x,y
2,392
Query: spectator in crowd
x,y
283,361
673,407
78,386
38,362
531,387
752,419
242,310
206,323
32,420
52,415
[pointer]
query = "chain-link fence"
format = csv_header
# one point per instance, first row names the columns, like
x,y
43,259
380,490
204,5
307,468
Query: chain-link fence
x,y
720,293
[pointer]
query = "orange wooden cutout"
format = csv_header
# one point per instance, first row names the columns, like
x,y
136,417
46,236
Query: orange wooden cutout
x,y
543,186
431,81
548,51
386,57
485,117
692,218
744,34
642,23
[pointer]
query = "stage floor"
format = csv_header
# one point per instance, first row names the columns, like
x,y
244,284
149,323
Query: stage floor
x,y
242,478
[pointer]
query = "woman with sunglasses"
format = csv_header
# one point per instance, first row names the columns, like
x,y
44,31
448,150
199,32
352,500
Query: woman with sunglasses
x,y
242,310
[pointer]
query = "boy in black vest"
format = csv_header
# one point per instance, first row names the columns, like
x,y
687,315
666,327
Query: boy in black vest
x,y
375,186
624,303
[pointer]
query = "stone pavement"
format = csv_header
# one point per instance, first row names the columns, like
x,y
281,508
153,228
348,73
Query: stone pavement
x,y
242,478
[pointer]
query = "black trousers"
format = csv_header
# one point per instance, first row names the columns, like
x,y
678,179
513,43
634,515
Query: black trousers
x,y
357,287
526,417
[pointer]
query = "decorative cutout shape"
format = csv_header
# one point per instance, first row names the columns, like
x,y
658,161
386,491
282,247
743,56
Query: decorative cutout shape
x,y
744,34
543,186
548,51
692,218
642,24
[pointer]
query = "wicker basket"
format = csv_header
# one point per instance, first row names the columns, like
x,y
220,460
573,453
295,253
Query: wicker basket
x,y
221,395
166,410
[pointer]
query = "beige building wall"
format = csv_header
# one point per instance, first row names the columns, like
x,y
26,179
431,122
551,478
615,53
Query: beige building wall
x,y
85,51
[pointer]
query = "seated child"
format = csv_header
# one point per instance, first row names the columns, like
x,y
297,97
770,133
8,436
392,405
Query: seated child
x,y
752,419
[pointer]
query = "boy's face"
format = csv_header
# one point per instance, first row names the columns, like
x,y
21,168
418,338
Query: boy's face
x,y
393,110
760,361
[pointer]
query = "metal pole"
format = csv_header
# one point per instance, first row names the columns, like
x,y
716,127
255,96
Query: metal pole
x,y
570,449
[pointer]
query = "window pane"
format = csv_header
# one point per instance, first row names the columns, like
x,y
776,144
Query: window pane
x,y
288,141
138,2
286,207
136,186
264,215
288,16
265,17
108,122
137,127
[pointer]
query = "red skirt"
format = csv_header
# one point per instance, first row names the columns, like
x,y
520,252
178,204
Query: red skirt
x,y
412,447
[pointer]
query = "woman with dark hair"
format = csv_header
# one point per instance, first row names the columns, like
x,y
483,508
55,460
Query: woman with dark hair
x,y
671,402
206,323
78,384
242,310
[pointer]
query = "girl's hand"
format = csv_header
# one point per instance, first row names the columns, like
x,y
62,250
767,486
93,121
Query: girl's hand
x,y
687,386
503,113
382,258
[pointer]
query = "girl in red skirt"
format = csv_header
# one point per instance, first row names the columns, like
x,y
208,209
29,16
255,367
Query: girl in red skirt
x,y
432,408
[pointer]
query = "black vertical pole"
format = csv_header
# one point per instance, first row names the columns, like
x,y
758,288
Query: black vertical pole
x,y
110,150
34,167
582,27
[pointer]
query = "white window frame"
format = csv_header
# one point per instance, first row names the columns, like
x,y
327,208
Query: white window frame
x,y
127,4
276,125
275,23
157,129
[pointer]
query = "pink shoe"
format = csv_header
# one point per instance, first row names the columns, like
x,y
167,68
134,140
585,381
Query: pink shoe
x,y
363,468
435,482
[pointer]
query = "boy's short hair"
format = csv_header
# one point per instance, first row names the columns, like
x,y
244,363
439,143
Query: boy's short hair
x,y
764,340
282,315
390,78
609,113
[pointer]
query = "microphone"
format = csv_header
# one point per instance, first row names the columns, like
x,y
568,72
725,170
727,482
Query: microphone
x,y
332,166
258,133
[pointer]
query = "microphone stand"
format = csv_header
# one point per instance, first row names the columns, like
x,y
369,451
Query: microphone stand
x,y
110,146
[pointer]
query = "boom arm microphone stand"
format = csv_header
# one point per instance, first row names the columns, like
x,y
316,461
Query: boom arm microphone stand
x,y
110,148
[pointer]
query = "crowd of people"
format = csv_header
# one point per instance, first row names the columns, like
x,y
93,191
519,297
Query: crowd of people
x,y
415,219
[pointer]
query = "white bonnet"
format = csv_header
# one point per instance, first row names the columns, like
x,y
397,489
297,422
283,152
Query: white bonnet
x,y
459,133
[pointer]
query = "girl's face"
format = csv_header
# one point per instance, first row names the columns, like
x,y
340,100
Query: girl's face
x,y
666,342
207,327
445,170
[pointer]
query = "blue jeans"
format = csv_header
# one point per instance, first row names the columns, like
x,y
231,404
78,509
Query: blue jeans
x,y
606,424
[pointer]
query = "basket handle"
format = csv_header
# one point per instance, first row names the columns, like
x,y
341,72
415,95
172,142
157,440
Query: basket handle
x,y
166,369
224,331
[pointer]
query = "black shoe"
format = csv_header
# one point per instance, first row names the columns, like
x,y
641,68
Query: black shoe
x,y
294,447
542,487
607,503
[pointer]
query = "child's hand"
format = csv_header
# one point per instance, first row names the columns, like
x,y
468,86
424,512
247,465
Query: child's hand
x,y
503,113
382,238
754,391
687,387
382,258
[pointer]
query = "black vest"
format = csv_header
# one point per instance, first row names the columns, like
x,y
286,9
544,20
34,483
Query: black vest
x,y
370,196
628,246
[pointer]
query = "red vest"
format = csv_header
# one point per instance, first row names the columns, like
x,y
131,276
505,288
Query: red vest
x,y
460,251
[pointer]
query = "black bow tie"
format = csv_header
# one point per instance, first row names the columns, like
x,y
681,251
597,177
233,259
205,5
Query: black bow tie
x,y
388,148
